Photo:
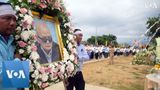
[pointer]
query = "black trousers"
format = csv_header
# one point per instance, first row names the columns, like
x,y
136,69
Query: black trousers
x,y
76,81
96,55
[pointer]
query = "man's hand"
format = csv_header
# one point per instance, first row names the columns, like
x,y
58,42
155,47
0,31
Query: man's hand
x,y
18,56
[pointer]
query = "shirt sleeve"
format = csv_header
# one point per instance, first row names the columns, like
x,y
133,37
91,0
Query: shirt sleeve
x,y
1,65
83,55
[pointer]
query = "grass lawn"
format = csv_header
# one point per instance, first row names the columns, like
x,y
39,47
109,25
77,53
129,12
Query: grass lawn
x,y
120,76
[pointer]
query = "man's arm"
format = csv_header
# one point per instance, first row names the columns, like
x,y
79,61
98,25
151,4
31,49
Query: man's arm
x,y
1,65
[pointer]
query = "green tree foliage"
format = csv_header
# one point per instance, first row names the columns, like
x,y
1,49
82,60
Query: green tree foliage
x,y
153,23
103,40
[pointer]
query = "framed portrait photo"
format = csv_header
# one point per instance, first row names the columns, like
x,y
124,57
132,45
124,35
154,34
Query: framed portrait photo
x,y
49,41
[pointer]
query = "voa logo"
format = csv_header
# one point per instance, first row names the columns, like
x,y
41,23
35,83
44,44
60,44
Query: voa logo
x,y
14,74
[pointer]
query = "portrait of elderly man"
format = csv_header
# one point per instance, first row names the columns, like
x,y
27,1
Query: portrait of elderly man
x,y
48,50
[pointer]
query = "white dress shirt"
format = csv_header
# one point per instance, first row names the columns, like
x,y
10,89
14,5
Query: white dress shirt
x,y
82,56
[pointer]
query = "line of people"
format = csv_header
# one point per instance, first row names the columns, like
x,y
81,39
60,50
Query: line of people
x,y
101,51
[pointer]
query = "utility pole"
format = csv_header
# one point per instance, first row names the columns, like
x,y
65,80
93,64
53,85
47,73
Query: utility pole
x,y
96,43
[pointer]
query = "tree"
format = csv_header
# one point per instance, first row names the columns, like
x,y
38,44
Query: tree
x,y
91,40
101,40
153,24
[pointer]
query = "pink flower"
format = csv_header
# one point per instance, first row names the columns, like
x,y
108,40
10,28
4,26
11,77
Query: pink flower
x,y
48,1
33,1
34,37
22,44
68,13
62,10
42,5
60,74
43,0
34,48
42,69
23,10
25,24
48,70
59,66
55,74
57,5
75,61
44,85
33,23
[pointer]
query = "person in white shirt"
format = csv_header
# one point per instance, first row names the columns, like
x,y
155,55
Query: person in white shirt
x,y
96,52
77,81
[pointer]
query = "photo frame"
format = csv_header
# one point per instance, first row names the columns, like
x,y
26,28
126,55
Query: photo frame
x,y
49,40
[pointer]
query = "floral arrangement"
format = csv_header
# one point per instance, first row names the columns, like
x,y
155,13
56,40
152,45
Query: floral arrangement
x,y
157,67
144,57
25,38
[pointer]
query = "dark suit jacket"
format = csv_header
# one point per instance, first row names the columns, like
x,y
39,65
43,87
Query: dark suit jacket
x,y
55,53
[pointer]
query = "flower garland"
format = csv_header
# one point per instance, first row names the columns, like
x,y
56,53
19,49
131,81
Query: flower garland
x,y
25,38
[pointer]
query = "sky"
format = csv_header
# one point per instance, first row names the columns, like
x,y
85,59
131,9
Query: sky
x,y
124,18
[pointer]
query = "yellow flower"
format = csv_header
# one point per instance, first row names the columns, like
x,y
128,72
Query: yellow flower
x,y
157,67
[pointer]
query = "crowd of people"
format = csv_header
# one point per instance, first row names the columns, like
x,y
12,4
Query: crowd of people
x,y
101,51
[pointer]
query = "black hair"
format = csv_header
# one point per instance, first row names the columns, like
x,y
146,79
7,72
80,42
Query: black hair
x,y
75,30
3,3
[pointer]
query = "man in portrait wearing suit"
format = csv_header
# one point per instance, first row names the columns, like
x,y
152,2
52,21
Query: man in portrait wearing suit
x,y
48,50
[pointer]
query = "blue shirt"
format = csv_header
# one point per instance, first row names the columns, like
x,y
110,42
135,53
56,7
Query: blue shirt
x,y
6,50
106,49
6,53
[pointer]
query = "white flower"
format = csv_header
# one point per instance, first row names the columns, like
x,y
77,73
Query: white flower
x,y
72,57
28,49
70,37
44,77
17,8
66,55
35,74
20,0
38,66
54,70
39,76
51,65
28,18
21,15
25,35
70,66
56,64
30,13
31,68
74,50
32,32
34,56
65,35
29,42
70,45
53,77
39,83
67,24
29,0
17,37
21,51
35,81
62,69
67,41
18,28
